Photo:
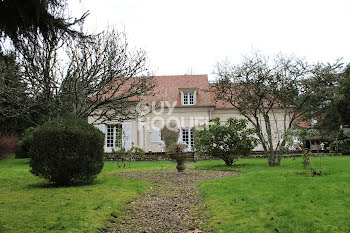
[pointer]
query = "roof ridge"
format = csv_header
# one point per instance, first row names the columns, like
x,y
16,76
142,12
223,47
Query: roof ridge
x,y
178,75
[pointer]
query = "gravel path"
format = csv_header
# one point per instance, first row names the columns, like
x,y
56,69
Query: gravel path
x,y
172,203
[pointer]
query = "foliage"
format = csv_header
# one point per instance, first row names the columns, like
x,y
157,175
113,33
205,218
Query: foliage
x,y
25,144
22,20
341,143
343,102
301,134
8,142
266,90
337,109
122,156
307,162
27,140
176,148
67,151
15,103
170,137
228,141
304,133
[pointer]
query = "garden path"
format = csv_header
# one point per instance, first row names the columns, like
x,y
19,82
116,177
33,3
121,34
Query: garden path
x,y
172,203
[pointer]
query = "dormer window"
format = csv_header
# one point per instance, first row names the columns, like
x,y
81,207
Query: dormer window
x,y
188,97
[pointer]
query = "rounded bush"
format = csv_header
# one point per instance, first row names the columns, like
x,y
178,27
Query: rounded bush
x,y
67,151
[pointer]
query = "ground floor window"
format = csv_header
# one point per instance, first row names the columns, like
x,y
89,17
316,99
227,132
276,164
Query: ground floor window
x,y
114,136
188,138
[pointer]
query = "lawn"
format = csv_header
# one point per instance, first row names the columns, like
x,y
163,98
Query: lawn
x,y
26,205
260,199
279,199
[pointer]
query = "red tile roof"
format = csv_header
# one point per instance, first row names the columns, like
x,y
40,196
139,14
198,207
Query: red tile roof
x,y
168,88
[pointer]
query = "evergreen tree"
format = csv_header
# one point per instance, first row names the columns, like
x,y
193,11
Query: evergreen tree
x,y
22,20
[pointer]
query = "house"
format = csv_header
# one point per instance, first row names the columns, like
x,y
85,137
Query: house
x,y
179,102
317,142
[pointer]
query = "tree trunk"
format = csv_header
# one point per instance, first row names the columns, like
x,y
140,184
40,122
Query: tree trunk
x,y
274,159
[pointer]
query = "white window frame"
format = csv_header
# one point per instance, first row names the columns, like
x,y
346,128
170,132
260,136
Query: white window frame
x,y
111,136
186,94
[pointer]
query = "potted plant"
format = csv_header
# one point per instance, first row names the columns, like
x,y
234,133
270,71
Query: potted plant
x,y
178,152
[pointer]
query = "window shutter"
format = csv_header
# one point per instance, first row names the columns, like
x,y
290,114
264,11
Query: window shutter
x,y
155,135
179,140
103,129
126,139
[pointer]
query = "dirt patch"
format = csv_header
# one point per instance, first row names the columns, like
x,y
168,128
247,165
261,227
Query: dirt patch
x,y
172,203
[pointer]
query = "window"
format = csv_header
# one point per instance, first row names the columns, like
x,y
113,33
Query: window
x,y
188,138
114,136
188,97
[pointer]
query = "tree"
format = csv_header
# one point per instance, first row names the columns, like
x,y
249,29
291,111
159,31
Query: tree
x,y
22,20
103,78
14,99
228,141
273,94
343,102
27,23
336,111
42,72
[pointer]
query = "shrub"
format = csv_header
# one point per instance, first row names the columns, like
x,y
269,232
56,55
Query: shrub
x,y
67,151
176,148
122,156
341,143
228,141
24,146
170,138
8,142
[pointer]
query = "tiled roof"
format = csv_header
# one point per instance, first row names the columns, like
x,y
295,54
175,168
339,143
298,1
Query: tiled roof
x,y
168,88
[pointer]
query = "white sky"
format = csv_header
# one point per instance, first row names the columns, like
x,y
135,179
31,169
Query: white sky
x,y
191,36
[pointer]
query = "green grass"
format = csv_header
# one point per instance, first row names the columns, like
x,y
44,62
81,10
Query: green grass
x,y
286,198
260,199
27,205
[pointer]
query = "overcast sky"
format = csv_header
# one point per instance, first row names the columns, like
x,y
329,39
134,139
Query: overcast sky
x,y
191,36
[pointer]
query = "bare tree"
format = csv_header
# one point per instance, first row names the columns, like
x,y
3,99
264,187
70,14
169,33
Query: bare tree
x,y
41,70
273,94
105,79
100,76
